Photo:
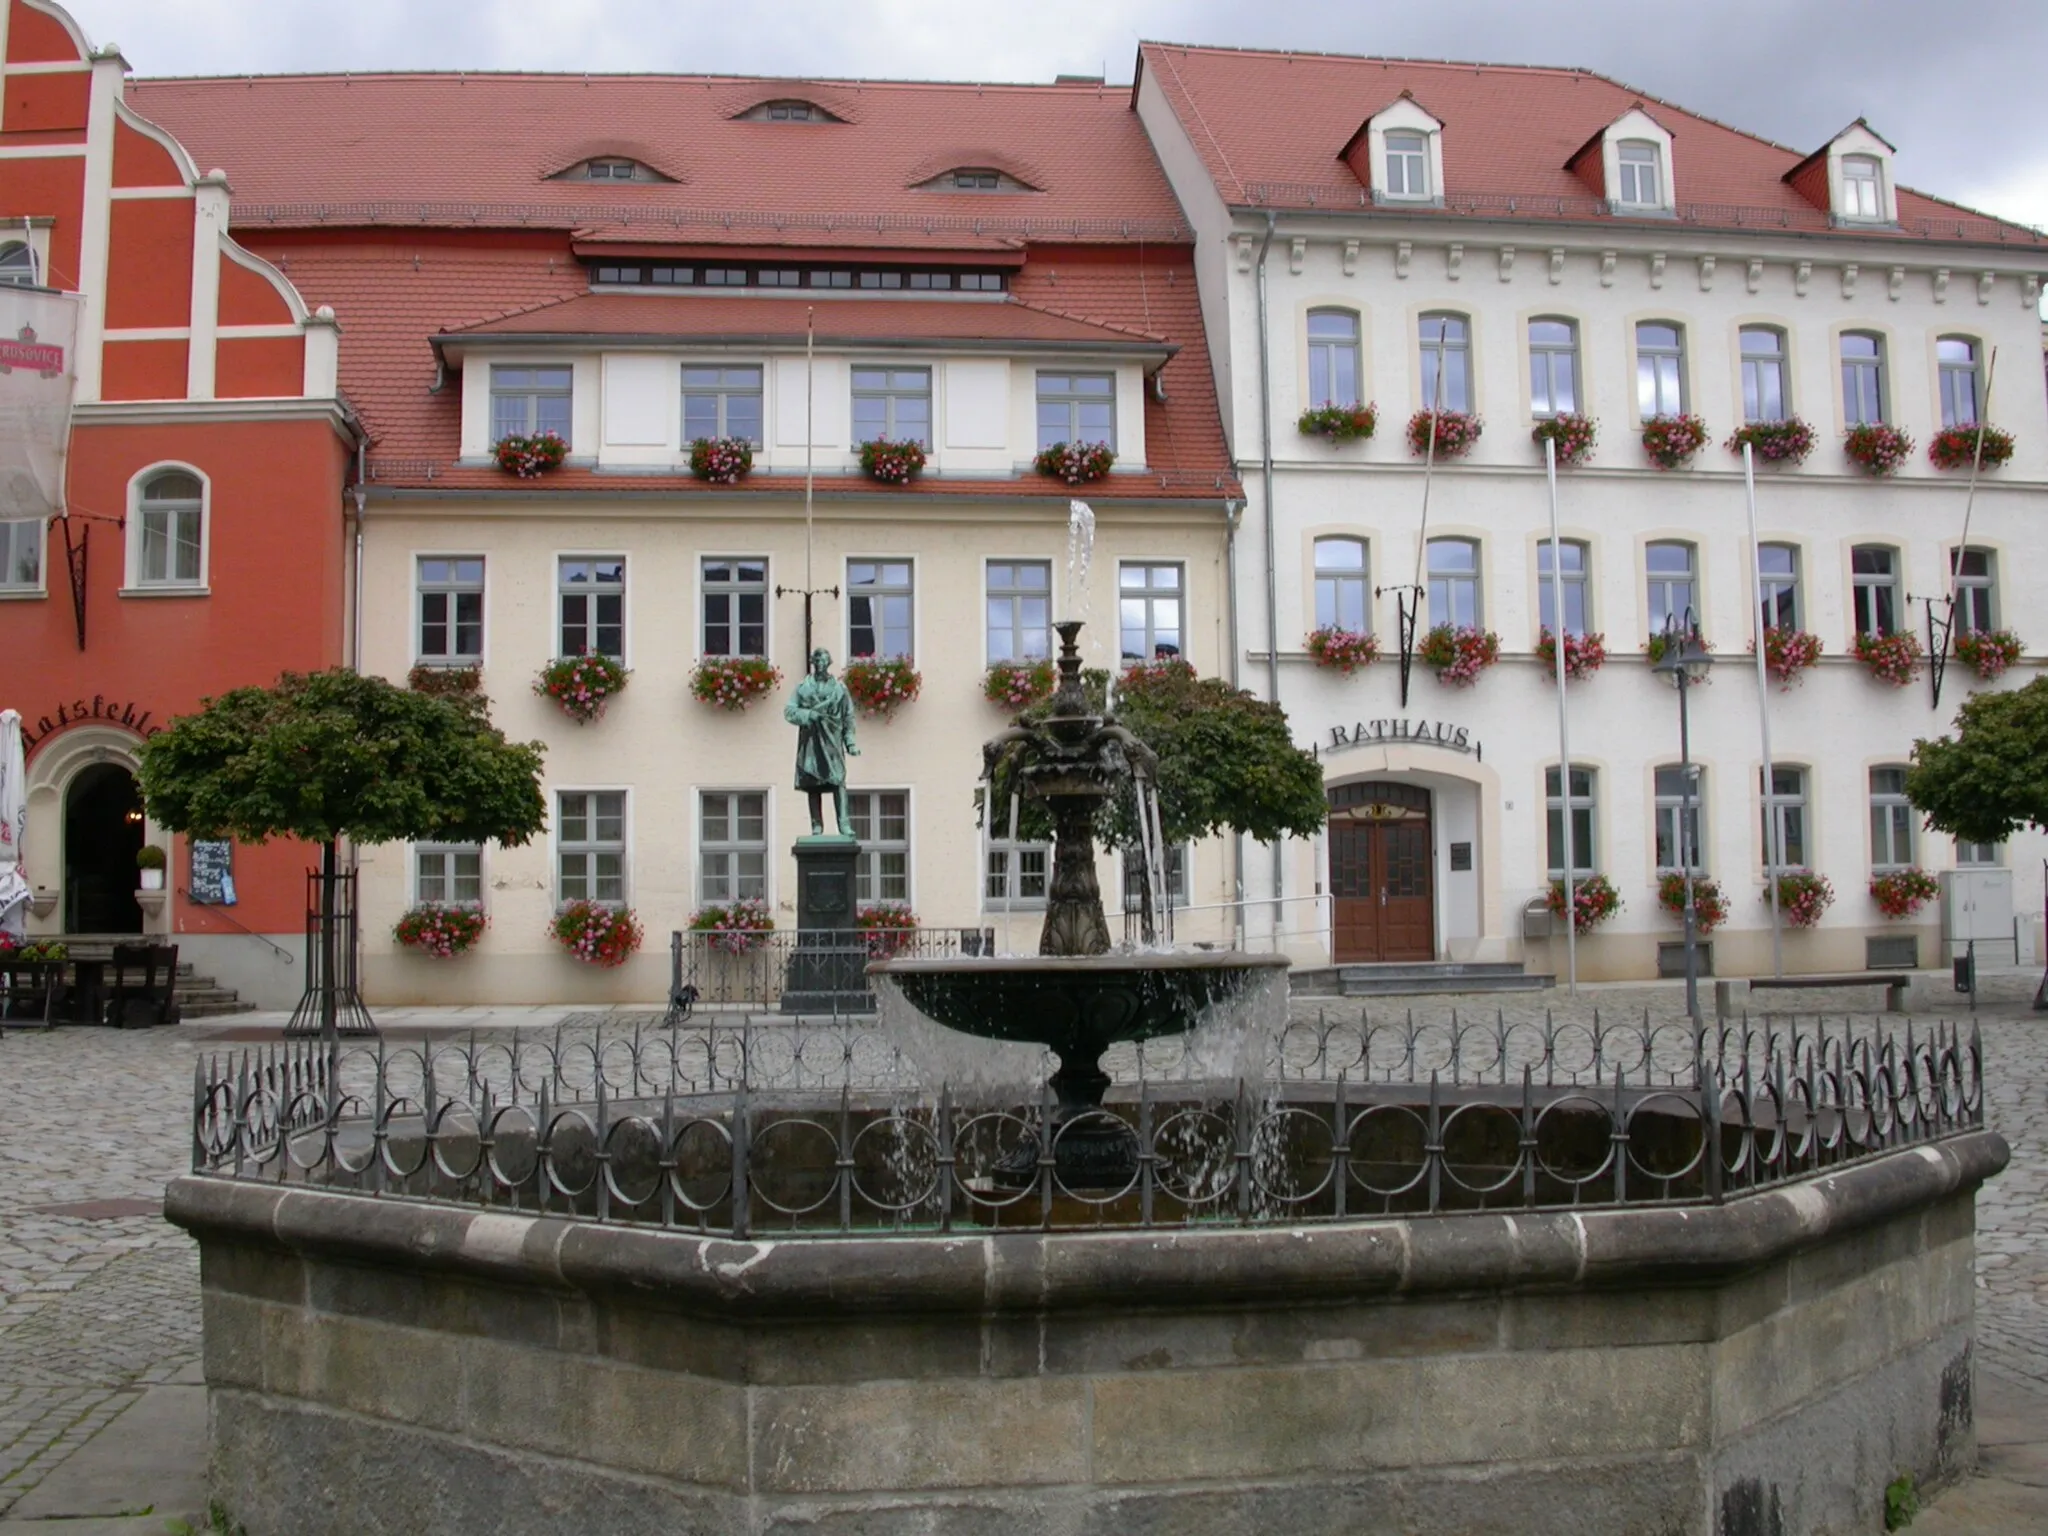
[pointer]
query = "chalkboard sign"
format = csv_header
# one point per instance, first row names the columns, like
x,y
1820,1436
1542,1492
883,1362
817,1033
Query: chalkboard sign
x,y
213,874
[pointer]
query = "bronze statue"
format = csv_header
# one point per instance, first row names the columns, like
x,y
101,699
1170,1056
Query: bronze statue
x,y
822,712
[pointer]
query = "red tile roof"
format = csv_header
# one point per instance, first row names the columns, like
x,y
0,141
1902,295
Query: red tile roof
x,y
1271,129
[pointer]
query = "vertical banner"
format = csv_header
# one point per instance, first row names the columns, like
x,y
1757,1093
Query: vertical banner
x,y
38,371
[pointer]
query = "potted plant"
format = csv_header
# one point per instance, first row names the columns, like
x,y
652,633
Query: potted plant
x,y
1787,653
441,931
1344,649
734,926
1902,892
1672,440
1709,906
881,685
891,462
1893,658
889,930
149,865
1775,442
1456,432
1340,423
1574,435
1653,650
1583,654
582,685
444,682
1956,447
1019,684
1878,446
733,682
721,460
1802,897
597,934
1459,653
530,455
1594,900
1988,652
1075,463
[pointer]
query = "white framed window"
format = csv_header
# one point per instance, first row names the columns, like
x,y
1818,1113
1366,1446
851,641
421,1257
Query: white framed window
x,y
732,845
977,181
527,400
590,846
1454,594
1891,820
1961,386
17,264
1342,585
1660,369
1862,187
1980,855
1077,408
1863,391
1408,165
1764,393
1446,342
1976,577
1149,609
1874,577
448,874
1639,168
590,591
1784,806
1679,839
451,609
1582,805
1019,602
879,608
169,540
881,821
1571,578
21,555
611,170
722,402
892,403
1016,874
1333,371
735,606
1553,367
1673,584
1778,595
1175,885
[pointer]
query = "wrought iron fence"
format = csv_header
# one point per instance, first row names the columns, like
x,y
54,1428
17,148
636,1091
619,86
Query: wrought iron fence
x,y
734,967
827,1129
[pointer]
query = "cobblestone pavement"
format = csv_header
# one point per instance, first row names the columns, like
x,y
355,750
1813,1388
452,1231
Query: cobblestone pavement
x,y
95,1305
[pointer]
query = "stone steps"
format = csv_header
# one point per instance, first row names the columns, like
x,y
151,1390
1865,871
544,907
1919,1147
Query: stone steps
x,y
1418,979
199,997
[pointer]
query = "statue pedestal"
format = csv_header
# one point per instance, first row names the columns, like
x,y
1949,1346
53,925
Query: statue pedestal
x,y
828,968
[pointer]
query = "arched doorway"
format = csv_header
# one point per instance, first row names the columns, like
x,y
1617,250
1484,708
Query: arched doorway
x,y
1381,868
102,832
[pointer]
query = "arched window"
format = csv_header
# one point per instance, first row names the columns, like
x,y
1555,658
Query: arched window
x,y
1446,356
1341,586
1553,367
1333,372
1863,391
1764,395
170,532
1571,579
1454,583
1640,182
1956,357
1674,585
1660,369
17,264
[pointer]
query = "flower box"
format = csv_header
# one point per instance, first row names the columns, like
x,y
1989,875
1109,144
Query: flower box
x,y
1802,897
595,934
1775,442
881,685
1902,892
733,682
890,462
1988,652
1456,432
1574,435
1956,447
1709,906
1583,655
721,460
1787,653
1019,684
887,930
1594,900
582,685
1671,441
1458,654
1075,463
1139,675
445,682
1894,658
441,931
1340,423
530,455
1344,649
734,927
1878,447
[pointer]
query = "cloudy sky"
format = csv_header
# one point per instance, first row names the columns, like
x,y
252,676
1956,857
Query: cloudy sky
x,y
1956,91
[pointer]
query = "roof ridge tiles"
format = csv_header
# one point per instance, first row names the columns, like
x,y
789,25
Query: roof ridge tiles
x,y
612,76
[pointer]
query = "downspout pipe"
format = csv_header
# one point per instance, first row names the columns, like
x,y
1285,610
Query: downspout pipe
x,y
359,494
1233,519
1266,514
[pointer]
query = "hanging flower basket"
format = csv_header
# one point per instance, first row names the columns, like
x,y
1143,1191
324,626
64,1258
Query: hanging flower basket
x,y
1902,892
892,463
888,930
1956,447
1775,442
1787,653
441,931
1019,684
1672,440
734,927
1458,654
1574,435
721,460
445,682
597,935
1653,649
582,685
1709,906
1075,463
1583,655
1878,446
530,455
1802,897
1340,423
1594,900
882,685
1988,652
1344,649
1894,658
1456,432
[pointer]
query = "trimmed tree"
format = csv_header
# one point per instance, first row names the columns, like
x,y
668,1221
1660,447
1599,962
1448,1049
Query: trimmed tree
x,y
324,756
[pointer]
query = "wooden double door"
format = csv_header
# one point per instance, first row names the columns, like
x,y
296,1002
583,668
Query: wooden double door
x,y
1381,874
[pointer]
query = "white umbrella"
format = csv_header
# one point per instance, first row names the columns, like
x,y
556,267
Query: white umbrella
x,y
14,889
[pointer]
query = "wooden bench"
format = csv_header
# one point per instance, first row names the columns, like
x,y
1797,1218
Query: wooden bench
x,y
142,992
1894,984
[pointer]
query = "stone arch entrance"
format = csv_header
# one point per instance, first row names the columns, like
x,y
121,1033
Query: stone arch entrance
x,y
103,830
1382,861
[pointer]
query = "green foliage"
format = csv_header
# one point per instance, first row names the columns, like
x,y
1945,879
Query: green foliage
x,y
1990,780
1901,1502
334,754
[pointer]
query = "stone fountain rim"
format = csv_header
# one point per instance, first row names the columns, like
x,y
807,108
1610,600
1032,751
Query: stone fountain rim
x,y
1059,965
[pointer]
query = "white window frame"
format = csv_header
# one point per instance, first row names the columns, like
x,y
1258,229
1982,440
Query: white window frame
x,y
733,847
532,394
1545,358
881,588
863,810
723,392
1651,389
1002,862
1953,379
420,589
1570,580
1020,634
1873,583
1787,809
1631,158
1976,591
592,847
1444,610
1753,366
734,589
1861,371
422,853
22,270
1773,584
1661,587
1150,595
1670,812
1326,352
1893,843
1339,582
1439,345
138,582
1180,860
1853,178
1072,400
1407,161
590,595
890,393
1586,803
32,535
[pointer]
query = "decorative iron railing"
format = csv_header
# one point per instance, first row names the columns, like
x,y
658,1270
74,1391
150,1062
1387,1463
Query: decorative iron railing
x,y
755,969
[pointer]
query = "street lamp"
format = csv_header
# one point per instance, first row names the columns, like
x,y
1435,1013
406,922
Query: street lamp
x,y
1686,662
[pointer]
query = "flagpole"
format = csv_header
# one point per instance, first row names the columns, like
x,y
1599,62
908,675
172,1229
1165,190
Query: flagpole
x,y
1774,834
810,476
1564,739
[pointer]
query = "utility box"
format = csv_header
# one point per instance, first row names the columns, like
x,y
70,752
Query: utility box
x,y
1976,904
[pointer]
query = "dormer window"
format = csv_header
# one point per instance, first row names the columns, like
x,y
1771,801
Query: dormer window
x,y
1639,183
789,111
1849,178
1629,164
1862,187
1398,152
976,181
610,169
975,178
1408,165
